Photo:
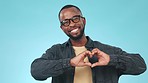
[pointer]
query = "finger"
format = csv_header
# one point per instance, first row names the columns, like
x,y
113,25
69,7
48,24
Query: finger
x,y
93,52
97,64
94,49
91,55
86,53
83,54
97,52
100,52
87,64
94,64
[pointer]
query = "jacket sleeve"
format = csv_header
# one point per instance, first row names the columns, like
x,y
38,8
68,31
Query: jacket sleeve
x,y
49,65
127,63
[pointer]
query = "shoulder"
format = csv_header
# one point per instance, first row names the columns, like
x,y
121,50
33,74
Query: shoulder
x,y
106,47
58,46
54,48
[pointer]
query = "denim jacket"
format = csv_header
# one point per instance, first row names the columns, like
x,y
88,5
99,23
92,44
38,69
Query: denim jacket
x,y
55,63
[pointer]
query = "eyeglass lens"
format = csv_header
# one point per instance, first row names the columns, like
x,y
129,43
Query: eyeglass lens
x,y
74,19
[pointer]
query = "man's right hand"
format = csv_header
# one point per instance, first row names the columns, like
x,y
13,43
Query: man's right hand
x,y
78,61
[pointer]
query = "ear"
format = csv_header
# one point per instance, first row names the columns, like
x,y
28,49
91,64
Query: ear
x,y
84,20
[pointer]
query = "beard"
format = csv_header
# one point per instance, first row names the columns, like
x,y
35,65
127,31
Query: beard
x,y
78,36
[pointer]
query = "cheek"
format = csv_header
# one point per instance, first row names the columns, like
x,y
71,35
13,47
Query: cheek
x,y
64,29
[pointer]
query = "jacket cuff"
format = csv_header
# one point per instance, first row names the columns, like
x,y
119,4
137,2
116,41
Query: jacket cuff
x,y
113,60
66,64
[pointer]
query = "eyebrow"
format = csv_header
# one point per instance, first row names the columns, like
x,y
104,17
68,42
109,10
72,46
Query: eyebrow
x,y
71,17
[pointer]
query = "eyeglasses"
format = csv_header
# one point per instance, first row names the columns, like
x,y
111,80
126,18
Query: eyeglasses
x,y
74,19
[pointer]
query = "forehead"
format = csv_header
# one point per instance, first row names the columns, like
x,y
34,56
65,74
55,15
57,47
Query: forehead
x,y
69,13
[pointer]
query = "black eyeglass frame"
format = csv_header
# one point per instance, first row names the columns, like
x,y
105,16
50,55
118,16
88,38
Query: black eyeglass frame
x,y
72,19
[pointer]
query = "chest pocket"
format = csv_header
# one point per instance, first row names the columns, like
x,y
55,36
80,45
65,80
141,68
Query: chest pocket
x,y
67,52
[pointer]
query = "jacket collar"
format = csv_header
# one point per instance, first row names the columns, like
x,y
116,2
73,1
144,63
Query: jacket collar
x,y
88,44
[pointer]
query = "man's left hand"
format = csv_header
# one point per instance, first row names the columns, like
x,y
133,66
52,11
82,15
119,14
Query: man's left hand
x,y
103,58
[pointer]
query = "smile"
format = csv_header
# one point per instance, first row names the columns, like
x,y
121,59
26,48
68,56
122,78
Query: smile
x,y
74,31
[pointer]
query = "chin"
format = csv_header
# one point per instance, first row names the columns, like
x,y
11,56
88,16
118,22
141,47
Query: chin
x,y
78,37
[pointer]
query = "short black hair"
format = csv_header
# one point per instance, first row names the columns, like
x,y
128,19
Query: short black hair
x,y
68,6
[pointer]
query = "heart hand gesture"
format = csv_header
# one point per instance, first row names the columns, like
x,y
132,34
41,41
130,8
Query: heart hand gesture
x,y
103,58
78,61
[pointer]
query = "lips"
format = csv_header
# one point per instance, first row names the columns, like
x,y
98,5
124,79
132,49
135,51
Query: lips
x,y
74,30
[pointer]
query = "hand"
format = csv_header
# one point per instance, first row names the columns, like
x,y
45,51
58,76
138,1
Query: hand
x,y
78,61
103,58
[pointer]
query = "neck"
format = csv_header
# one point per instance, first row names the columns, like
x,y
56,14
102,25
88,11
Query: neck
x,y
80,42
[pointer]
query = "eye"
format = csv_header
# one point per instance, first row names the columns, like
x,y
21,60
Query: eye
x,y
76,19
65,22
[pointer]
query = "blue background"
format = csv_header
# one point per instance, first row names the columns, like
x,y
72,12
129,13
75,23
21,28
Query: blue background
x,y
29,27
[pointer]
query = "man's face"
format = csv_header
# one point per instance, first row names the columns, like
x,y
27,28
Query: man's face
x,y
74,28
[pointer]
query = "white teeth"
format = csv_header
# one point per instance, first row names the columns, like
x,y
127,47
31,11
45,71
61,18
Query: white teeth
x,y
75,30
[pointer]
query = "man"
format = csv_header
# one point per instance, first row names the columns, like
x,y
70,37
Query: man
x,y
82,60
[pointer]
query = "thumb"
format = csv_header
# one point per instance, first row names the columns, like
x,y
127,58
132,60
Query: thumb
x,y
87,64
96,64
